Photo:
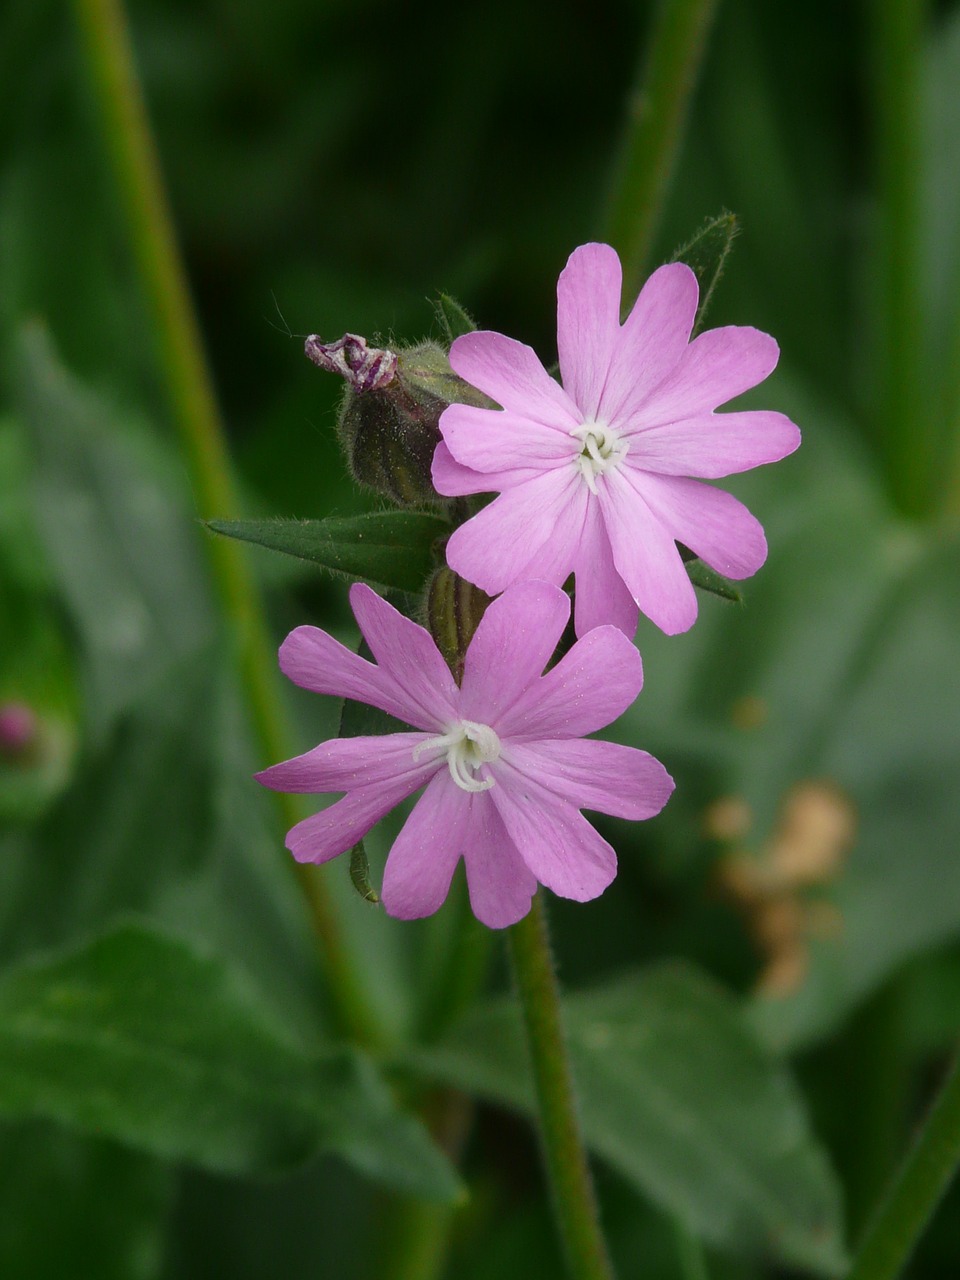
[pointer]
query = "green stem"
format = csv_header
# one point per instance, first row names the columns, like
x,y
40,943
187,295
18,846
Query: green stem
x,y
657,115
194,407
568,1172
910,1201
907,418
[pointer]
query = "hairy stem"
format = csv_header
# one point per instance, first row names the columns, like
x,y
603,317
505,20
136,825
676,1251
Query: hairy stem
x,y
916,1190
195,412
657,114
565,1157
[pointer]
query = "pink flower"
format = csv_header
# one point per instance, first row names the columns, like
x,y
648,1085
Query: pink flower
x,y
502,757
594,475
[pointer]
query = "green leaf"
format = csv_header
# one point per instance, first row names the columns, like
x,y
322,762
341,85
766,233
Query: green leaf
x,y
454,319
706,255
111,514
139,1037
389,549
679,1096
74,1205
707,579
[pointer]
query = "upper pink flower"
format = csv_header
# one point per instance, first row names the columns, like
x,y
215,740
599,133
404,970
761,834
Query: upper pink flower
x,y
594,475
502,756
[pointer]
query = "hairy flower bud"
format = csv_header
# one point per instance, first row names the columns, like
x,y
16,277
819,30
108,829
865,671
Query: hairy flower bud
x,y
389,418
454,610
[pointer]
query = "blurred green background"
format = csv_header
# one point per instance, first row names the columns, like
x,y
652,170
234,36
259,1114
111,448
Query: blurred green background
x,y
331,169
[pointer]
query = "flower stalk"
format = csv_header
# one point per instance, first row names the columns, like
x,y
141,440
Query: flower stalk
x,y
915,1192
565,1157
658,109
907,423
194,409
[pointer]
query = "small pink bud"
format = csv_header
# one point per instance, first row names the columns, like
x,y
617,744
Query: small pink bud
x,y
18,728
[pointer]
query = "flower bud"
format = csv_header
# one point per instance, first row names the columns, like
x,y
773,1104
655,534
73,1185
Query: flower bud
x,y
389,419
18,730
454,610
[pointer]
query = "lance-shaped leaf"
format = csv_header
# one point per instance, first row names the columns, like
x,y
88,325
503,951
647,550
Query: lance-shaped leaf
x,y
390,549
706,255
679,1096
454,319
139,1037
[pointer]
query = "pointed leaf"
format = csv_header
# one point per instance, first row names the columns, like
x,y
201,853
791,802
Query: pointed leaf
x,y
389,549
707,579
454,319
706,255
139,1037
678,1094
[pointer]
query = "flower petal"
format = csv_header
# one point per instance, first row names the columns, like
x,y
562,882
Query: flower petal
x,y
588,323
511,373
593,774
555,840
590,686
513,643
711,522
717,365
652,340
530,531
454,480
498,880
714,445
420,866
315,661
409,660
601,596
344,764
339,827
498,440
645,554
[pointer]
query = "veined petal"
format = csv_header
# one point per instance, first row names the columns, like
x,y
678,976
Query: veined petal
x,y
513,643
588,323
717,365
645,554
498,880
420,866
511,373
555,840
408,659
590,686
593,774
601,596
315,661
500,440
339,827
711,522
652,340
344,764
530,531
715,444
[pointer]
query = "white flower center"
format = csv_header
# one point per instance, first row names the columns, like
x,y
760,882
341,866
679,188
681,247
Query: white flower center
x,y
602,450
467,745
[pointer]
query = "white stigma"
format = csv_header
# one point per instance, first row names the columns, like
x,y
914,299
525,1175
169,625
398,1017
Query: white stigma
x,y
467,745
603,449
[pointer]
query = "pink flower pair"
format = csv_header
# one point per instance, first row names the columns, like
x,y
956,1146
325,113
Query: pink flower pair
x,y
594,478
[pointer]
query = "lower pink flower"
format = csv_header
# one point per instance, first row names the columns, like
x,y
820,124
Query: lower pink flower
x,y
503,758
